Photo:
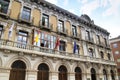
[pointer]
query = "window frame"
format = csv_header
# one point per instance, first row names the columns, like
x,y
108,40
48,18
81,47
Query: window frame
x,y
74,30
45,20
23,14
20,33
8,4
87,35
62,46
1,31
61,26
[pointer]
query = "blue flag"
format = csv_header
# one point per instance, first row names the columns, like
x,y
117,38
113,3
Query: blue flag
x,y
75,47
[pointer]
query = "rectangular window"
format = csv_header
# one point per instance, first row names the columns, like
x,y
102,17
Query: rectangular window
x,y
87,35
105,41
77,50
115,45
44,40
98,39
26,14
1,29
4,6
22,37
62,46
45,20
61,26
74,31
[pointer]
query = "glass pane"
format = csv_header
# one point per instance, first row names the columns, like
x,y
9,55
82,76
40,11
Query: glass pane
x,y
26,13
19,38
25,39
4,6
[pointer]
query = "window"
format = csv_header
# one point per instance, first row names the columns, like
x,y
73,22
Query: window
x,y
116,52
118,60
98,39
91,52
105,41
102,55
45,39
62,46
22,37
74,31
87,35
1,29
26,13
4,6
76,49
60,26
45,20
109,56
115,45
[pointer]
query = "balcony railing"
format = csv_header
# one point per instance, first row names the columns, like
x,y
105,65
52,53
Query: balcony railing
x,y
49,26
31,49
64,31
26,19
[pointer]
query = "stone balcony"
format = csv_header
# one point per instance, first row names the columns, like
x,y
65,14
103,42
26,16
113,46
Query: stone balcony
x,y
41,51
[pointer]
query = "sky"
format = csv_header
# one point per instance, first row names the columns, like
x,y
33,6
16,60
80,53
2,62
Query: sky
x,y
105,13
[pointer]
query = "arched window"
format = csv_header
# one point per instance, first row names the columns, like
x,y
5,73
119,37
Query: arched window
x,y
62,73
112,75
18,70
43,72
78,73
93,74
105,74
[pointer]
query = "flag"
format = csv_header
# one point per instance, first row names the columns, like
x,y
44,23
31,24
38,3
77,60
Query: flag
x,y
10,30
57,43
75,47
36,37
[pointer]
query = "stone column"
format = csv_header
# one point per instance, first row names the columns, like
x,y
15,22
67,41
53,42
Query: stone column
x,y
4,74
54,76
71,76
31,75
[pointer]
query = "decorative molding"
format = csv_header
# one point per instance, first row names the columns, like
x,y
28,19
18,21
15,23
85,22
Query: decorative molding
x,y
6,52
33,56
20,54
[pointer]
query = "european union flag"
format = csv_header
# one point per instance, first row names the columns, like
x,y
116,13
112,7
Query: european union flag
x,y
75,47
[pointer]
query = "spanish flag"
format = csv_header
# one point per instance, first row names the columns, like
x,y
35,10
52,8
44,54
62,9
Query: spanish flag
x,y
57,43
36,37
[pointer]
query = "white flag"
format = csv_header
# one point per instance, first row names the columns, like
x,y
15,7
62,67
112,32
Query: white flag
x,y
10,30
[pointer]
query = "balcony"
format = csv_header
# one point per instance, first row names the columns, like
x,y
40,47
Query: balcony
x,y
25,19
4,11
77,36
42,51
47,27
63,32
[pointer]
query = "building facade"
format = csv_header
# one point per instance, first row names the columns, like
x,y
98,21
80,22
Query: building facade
x,y
115,45
41,41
